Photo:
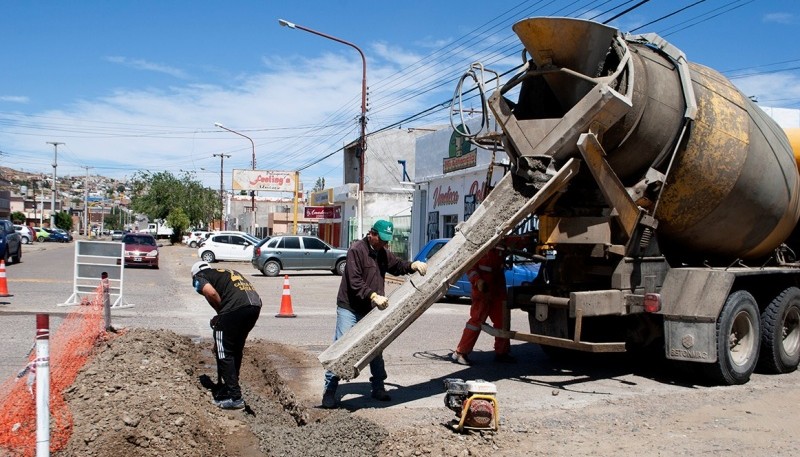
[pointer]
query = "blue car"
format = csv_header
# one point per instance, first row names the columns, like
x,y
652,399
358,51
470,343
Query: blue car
x,y
523,271
56,236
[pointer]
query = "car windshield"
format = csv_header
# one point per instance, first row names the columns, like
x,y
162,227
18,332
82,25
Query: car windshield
x,y
138,239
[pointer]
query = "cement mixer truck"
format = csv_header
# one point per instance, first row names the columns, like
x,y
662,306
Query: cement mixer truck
x,y
667,204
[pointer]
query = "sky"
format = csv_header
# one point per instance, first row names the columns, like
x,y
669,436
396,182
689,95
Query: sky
x,y
131,86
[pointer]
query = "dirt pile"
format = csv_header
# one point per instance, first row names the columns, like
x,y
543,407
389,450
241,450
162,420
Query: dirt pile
x,y
141,395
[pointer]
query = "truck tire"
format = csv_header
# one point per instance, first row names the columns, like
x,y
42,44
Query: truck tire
x,y
738,338
272,268
780,339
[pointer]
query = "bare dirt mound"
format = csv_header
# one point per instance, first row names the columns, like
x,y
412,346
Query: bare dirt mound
x,y
141,395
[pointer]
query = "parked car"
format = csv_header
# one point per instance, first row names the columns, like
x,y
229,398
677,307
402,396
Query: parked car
x,y
64,232
117,235
56,236
41,234
140,249
193,240
10,243
518,270
224,246
297,253
203,238
27,235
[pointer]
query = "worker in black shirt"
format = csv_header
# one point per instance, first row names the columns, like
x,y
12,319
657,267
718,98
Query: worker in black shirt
x,y
237,305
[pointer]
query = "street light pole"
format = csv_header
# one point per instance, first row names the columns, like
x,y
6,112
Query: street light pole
x,y
362,141
252,192
55,185
221,189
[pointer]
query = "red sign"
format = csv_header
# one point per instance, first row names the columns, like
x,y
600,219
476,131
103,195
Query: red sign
x,y
323,212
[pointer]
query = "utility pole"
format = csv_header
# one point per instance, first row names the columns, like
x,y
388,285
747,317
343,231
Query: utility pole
x,y
86,202
221,189
55,184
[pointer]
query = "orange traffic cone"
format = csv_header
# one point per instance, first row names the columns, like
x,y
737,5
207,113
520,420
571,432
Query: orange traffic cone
x,y
3,284
286,300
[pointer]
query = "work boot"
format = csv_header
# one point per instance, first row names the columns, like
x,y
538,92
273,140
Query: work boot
x,y
329,399
505,358
380,395
459,358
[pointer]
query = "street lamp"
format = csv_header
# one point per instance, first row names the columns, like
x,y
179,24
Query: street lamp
x,y
362,141
252,192
55,185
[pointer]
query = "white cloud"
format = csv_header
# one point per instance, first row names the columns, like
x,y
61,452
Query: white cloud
x,y
140,64
779,18
297,111
14,99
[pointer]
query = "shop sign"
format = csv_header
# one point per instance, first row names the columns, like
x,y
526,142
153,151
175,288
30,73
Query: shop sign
x,y
323,212
275,181
443,197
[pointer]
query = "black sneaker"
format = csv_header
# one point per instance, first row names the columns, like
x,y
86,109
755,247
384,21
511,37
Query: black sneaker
x,y
380,395
329,399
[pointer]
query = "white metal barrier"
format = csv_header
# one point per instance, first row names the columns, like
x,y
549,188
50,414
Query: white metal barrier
x,y
92,259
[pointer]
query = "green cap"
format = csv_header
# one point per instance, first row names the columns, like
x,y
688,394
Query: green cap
x,y
384,229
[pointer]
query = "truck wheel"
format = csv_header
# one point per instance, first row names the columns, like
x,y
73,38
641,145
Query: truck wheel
x,y
271,268
208,256
339,268
780,339
738,337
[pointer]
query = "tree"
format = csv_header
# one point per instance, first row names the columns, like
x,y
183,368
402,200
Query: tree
x,y
179,222
18,217
157,194
319,185
64,220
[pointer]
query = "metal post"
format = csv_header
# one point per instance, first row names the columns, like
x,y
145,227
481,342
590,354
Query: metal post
x,y
42,364
221,188
362,141
252,192
55,185
86,203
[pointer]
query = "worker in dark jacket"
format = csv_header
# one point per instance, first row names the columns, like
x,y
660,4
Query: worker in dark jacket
x,y
238,306
361,289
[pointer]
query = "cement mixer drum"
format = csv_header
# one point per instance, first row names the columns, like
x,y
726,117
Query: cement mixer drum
x,y
731,182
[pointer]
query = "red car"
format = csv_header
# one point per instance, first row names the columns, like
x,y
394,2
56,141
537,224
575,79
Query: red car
x,y
140,249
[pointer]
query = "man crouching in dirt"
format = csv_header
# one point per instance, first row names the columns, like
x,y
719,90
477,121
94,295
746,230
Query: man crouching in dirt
x,y
237,305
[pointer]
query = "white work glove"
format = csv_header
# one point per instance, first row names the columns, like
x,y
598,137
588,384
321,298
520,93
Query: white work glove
x,y
419,267
379,301
481,285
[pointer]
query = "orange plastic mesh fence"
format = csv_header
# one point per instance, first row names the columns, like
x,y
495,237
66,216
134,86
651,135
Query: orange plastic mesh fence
x,y
71,345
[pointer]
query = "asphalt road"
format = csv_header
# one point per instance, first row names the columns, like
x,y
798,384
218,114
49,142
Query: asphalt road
x,y
417,361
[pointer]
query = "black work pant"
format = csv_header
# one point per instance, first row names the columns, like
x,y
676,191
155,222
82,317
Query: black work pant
x,y
230,334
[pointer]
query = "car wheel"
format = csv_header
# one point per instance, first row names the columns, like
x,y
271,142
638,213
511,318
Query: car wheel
x,y
193,244
41,239
208,256
18,257
272,268
339,269
26,240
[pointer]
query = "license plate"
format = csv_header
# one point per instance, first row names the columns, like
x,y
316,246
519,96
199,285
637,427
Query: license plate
x,y
137,259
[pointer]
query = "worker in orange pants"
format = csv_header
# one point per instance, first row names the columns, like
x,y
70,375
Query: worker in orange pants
x,y
488,295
